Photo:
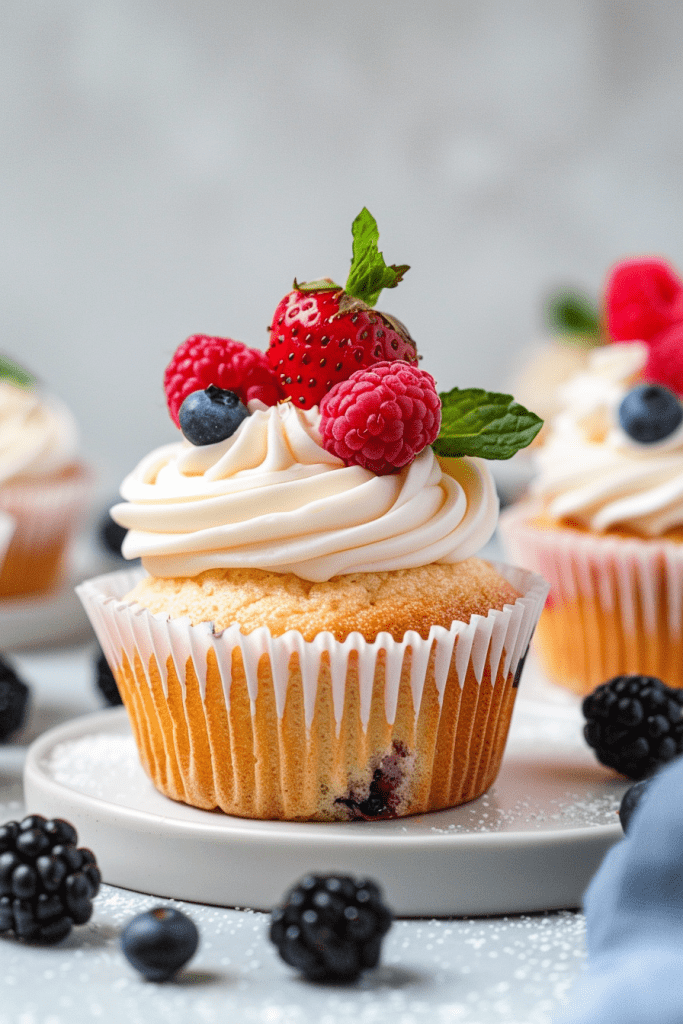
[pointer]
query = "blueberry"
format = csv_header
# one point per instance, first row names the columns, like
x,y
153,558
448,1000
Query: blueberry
x,y
159,942
209,416
630,801
649,413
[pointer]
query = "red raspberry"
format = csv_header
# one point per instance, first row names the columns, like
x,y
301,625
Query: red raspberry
x,y
203,360
382,417
643,298
318,338
665,359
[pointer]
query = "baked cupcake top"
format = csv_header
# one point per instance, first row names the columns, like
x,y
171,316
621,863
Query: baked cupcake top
x,y
613,458
331,454
38,434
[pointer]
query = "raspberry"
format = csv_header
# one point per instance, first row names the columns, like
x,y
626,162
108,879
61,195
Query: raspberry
x,y
330,927
665,359
634,724
643,298
380,418
203,360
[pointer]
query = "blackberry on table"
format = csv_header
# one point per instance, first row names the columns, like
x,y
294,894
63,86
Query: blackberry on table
x,y
47,884
104,677
14,699
635,724
330,927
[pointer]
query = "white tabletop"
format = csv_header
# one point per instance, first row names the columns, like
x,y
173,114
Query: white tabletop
x,y
515,969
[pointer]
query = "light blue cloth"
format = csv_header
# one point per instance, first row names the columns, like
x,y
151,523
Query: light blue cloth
x,y
634,918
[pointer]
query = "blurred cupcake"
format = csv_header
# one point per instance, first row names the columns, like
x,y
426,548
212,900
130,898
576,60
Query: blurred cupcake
x,y
43,485
604,524
314,639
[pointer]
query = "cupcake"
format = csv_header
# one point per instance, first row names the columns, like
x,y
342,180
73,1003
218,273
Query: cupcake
x,y
43,484
311,636
604,521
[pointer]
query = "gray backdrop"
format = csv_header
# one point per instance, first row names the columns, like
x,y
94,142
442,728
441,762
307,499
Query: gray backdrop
x,y
168,167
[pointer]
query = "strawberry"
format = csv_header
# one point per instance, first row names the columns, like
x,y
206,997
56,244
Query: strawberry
x,y
322,333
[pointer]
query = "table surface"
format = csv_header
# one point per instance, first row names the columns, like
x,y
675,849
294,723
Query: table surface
x,y
515,969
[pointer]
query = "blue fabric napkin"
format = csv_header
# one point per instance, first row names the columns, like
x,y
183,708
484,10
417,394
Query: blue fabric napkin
x,y
634,918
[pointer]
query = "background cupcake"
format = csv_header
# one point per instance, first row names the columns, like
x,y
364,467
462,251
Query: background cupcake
x,y
315,639
43,484
605,520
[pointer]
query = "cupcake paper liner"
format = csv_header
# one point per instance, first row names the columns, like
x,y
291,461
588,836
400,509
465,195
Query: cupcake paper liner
x,y
281,727
46,514
615,604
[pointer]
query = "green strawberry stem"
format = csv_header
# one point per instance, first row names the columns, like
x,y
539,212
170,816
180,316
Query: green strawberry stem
x,y
369,274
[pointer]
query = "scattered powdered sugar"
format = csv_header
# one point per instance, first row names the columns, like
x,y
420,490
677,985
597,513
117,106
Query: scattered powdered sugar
x,y
103,765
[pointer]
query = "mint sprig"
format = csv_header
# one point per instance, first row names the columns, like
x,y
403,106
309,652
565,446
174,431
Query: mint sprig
x,y
15,374
575,317
483,423
369,274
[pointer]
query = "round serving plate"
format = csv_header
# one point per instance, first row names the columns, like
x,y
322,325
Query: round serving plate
x,y
531,843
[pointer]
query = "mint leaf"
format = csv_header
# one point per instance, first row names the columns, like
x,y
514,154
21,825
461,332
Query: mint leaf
x,y
369,274
483,423
15,374
575,316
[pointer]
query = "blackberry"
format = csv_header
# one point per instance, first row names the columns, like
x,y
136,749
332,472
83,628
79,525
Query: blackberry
x,y
630,801
111,534
46,883
211,415
159,942
14,699
104,678
634,724
330,927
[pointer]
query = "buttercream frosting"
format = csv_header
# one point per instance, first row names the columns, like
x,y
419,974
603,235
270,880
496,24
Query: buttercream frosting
x,y
591,472
271,497
38,434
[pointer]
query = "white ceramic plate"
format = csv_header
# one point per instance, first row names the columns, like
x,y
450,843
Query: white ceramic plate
x,y
531,843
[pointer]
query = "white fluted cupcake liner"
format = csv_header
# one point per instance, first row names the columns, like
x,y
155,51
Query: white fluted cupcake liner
x,y
340,711
46,513
615,603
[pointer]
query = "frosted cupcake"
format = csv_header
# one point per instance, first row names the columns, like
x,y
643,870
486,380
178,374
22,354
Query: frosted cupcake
x,y
43,483
605,522
311,637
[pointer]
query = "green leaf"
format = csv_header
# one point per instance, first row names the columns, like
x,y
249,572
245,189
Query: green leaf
x,y
483,423
15,374
576,317
369,274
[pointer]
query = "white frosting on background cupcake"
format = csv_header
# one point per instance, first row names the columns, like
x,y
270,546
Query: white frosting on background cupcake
x,y
38,434
591,472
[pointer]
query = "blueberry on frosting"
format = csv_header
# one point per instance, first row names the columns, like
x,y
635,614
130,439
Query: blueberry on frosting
x,y
211,415
650,413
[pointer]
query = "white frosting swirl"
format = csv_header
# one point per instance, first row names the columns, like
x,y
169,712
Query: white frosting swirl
x,y
38,434
591,472
271,497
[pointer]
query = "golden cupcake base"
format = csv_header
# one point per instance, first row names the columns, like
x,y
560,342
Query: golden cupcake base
x,y
279,727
